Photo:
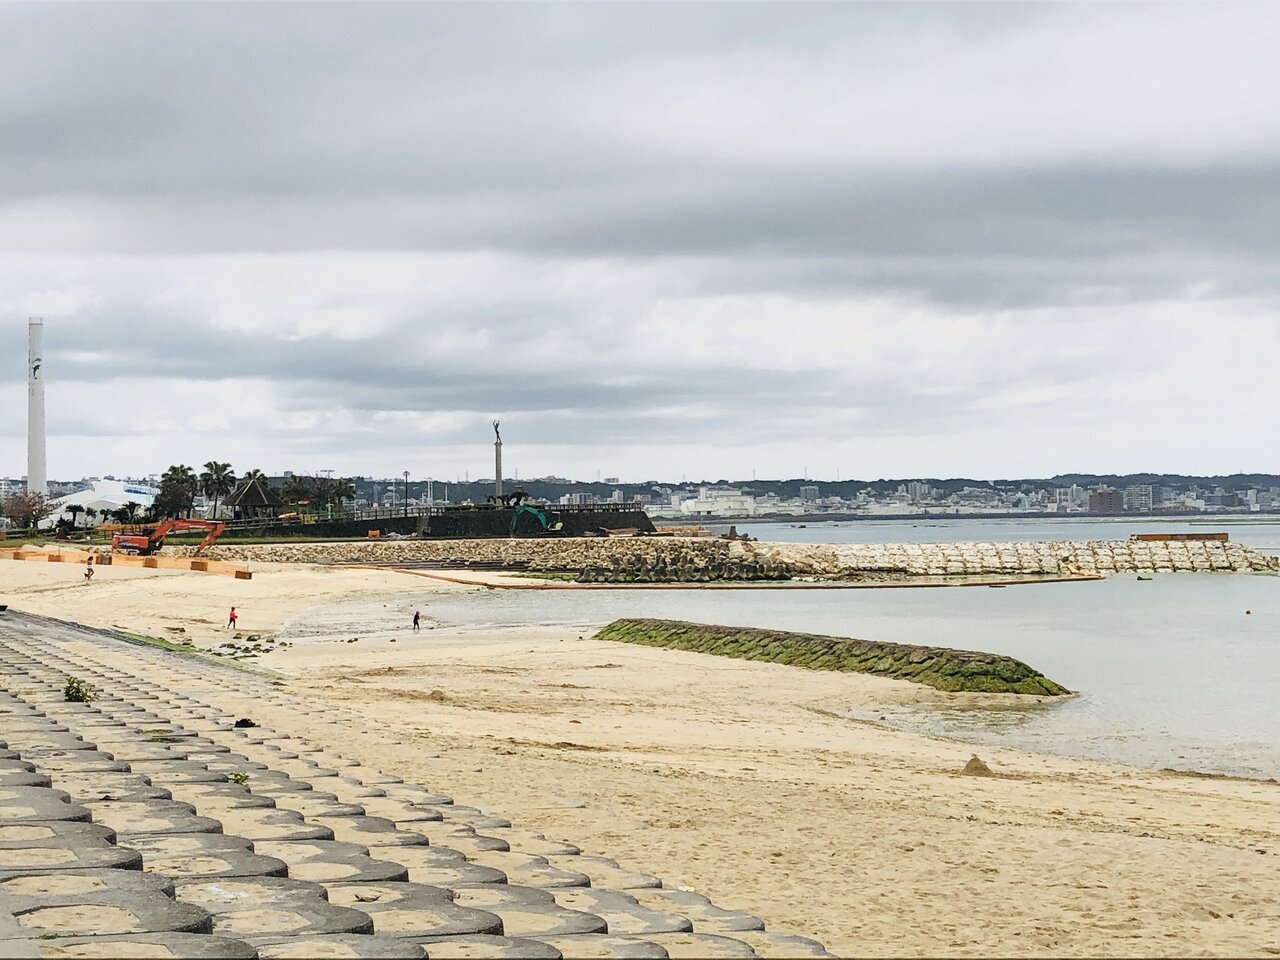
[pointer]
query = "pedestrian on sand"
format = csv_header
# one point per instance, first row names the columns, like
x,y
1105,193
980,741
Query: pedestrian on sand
x,y
231,618
88,569
417,619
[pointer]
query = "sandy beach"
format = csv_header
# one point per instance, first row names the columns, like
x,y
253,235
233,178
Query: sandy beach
x,y
736,780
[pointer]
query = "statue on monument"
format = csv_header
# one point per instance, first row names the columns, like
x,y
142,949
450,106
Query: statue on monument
x,y
496,435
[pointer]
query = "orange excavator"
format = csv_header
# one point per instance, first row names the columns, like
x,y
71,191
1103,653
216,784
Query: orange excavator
x,y
145,544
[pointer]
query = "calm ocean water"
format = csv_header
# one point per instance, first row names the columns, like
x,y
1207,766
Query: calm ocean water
x,y
1172,672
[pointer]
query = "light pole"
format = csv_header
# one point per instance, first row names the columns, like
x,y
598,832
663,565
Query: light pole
x,y
406,493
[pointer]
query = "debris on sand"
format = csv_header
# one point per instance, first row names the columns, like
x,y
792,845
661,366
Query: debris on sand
x,y
976,768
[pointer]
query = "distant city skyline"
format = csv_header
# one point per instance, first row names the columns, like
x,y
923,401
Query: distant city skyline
x,y
651,239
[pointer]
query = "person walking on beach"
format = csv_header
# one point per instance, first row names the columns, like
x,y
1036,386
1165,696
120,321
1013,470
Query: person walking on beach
x,y
417,620
88,569
231,619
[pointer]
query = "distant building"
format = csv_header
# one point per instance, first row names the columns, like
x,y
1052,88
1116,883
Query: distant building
x,y
1139,498
1106,501
919,491
809,492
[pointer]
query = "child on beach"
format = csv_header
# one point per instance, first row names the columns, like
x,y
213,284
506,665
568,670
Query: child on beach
x,y
417,619
88,569
231,618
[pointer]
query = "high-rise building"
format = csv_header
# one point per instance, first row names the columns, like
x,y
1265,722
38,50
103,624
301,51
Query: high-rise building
x,y
809,492
1138,498
1106,501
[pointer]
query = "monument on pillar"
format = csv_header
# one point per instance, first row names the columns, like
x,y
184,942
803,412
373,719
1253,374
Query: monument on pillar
x,y
37,478
497,460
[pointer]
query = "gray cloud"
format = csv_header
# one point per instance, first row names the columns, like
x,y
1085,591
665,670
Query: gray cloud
x,y
695,230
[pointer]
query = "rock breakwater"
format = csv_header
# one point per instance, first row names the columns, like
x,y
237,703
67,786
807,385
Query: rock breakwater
x,y
674,559
938,667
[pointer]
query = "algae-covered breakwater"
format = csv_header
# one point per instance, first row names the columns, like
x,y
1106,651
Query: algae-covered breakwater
x,y
940,667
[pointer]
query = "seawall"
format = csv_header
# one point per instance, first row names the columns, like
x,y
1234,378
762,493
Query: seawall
x,y
938,667
674,559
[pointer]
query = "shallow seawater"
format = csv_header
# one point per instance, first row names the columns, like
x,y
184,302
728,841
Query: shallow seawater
x,y
1171,672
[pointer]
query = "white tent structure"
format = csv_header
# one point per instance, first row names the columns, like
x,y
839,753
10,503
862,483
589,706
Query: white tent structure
x,y
103,495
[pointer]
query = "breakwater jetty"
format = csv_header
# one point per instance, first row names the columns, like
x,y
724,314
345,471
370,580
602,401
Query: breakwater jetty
x,y
938,667
691,560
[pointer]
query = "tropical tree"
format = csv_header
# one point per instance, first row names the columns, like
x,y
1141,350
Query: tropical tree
x,y
75,510
295,490
90,513
178,487
129,512
217,480
343,490
26,509
254,474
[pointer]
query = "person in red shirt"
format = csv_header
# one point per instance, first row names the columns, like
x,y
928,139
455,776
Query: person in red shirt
x,y
231,618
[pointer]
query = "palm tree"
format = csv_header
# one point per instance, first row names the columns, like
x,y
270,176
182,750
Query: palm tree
x,y
343,490
181,480
295,490
89,514
129,512
254,474
75,510
217,481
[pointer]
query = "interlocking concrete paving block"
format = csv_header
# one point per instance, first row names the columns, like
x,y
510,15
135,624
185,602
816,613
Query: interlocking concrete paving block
x,y
171,946
34,740
164,771
34,804
459,836
22,778
706,916
151,816
529,912
272,783
483,947
413,909
476,818
94,902
330,861
606,873
771,945
191,855
16,729
528,871
398,811
534,844
94,785
54,762
370,830
417,796
606,947
623,913
271,907
269,824
339,947
82,832
700,946
322,807
65,853
215,797
442,867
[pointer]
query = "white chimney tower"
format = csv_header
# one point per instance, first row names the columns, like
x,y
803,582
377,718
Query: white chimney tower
x,y
37,480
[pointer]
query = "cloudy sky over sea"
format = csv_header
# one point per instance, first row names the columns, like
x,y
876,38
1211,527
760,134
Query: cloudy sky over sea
x,y
656,240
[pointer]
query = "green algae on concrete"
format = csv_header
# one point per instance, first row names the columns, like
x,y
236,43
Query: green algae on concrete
x,y
951,670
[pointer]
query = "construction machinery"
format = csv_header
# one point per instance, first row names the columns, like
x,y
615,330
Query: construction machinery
x,y
149,542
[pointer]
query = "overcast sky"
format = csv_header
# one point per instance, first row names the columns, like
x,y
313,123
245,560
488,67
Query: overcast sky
x,y
656,240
